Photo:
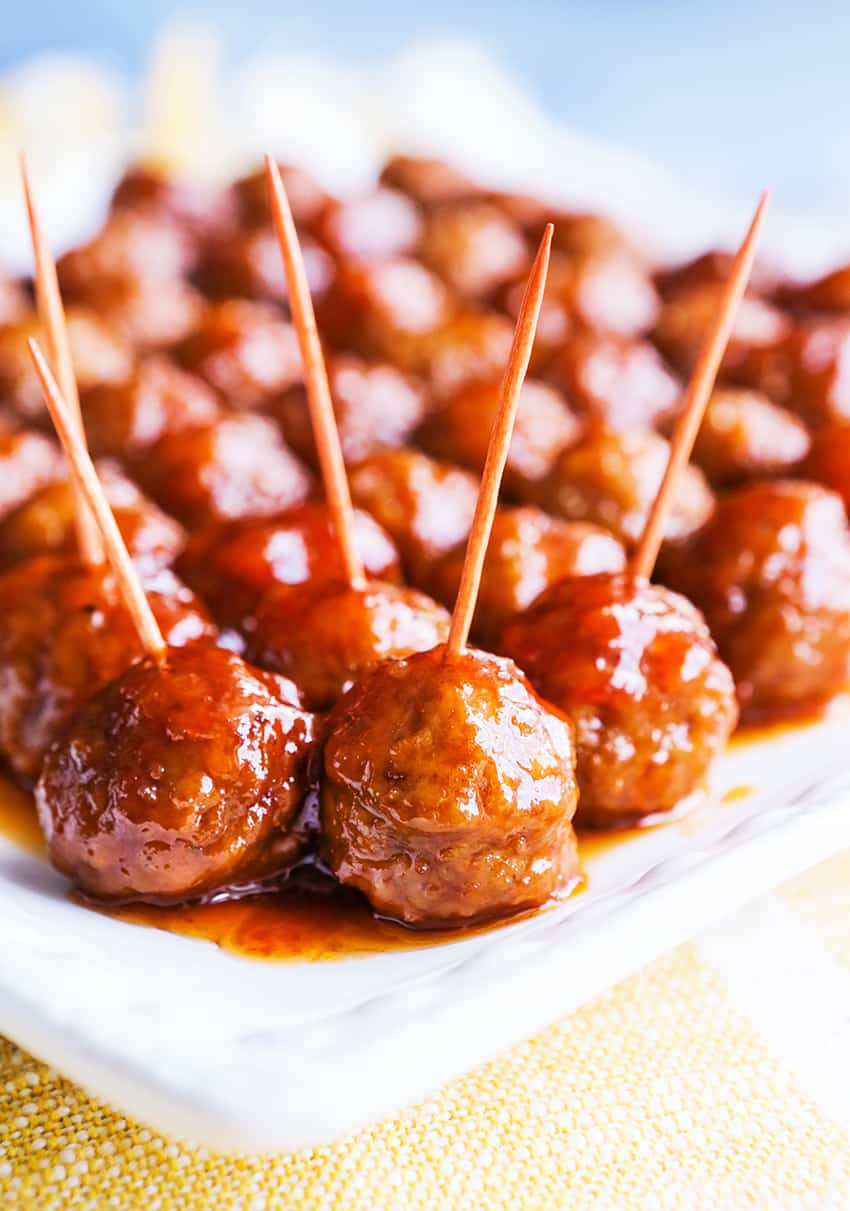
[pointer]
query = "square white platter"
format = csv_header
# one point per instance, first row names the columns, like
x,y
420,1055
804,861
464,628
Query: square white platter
x,y
246,1054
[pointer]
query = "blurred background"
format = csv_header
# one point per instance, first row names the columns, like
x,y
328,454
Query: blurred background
x,y
720,98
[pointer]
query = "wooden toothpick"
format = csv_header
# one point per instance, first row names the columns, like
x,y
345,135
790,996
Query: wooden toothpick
x,y
696,399
52,315
86,478
322,415
497,450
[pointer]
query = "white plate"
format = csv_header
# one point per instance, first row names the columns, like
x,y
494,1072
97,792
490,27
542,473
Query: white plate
x,y
244,1054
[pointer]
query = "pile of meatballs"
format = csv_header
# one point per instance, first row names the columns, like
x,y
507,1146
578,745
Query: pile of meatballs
x,y
301,719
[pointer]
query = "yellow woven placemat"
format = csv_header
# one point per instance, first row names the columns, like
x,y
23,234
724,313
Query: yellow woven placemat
x,y
719,1077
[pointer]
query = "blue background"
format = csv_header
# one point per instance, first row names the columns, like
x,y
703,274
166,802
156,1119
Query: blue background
x,y
734,95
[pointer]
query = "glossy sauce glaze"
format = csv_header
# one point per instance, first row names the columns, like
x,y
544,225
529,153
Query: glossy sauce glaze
x,y
312,917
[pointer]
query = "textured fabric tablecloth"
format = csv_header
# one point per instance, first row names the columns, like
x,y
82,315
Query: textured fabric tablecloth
x,y
717,1078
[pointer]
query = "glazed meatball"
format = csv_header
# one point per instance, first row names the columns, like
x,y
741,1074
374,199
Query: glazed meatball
x,y
375,406
426,507
384,310
28,462
64,632
173,782
374,227
685,319
124,419
580,233
710,268
429,182
744,435
808,371
528,552
618,383
771,573
331,633
459,431
472,345
475,248
231,564
145,188
448,791
99,356
828,461
247,264
46,523
605,291
250,197
612,479
133,244
635,668
831,292
244,350
236,467
147,313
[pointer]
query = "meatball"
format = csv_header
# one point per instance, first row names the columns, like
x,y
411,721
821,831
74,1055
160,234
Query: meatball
x,y
808,371
828,461
28,462
471,345
231,564
99,356
147,313
247,264
46,523
329,634
236,467
685,319
635,668
133,244
448,791
144,188
64,632
528,552
771,573
174,782
374,227
475,248
250,197
375,406
612,479
744,435
618,383
585,234
709,268
384,310
428,182
828,293
609,291
125,419
245,350
426,507
459,431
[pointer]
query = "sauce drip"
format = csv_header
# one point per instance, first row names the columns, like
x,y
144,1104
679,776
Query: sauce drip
x,y
18,819
306,920
310,918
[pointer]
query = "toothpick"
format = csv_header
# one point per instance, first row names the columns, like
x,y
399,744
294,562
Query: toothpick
x,y
92,490
52,315
322,414
497,450
696,399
